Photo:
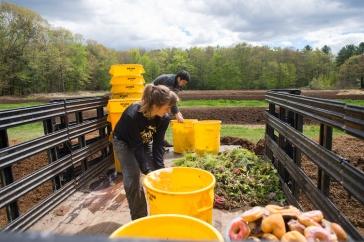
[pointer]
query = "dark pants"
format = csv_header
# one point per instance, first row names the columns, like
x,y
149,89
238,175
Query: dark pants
x,y
131,179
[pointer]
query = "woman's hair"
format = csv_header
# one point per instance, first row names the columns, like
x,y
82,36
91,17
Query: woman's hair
x,y
156,95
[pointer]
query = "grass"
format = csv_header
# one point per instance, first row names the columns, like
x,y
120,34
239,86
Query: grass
x,y
244,103
249,132
254,133
4,106
196,103
25,132
223,103
353,102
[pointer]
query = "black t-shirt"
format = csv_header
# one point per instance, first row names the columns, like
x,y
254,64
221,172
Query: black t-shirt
x,y
138,131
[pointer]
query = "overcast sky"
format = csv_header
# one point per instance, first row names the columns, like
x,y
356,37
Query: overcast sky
x,y
154,24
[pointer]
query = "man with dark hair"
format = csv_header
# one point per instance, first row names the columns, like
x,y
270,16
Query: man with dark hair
x,y
175,82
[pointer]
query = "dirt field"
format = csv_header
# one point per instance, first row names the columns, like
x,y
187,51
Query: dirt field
x,y
226,115
197,94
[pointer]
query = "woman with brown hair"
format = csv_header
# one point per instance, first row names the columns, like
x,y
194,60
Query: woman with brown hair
x,y
138,142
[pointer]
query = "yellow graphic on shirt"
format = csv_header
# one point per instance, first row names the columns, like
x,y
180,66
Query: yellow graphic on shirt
x,y
147,134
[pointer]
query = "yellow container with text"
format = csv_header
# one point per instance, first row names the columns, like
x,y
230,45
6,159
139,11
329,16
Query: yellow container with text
x,y
115,109
130,95
127,80
126,70
125,88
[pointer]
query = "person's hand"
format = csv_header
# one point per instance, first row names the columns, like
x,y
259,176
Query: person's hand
x,y
179,117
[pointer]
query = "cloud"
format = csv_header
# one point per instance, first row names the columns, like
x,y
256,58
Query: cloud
x,y
153,24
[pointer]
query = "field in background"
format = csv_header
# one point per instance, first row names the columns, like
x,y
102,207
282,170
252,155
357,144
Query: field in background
x,y
251,132
196,103
4,106
244,103
222,103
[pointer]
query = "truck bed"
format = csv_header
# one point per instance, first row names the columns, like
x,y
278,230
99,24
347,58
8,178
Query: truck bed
x,y
101,207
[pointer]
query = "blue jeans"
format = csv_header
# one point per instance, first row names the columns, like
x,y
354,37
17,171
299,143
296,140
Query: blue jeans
x,y
131,179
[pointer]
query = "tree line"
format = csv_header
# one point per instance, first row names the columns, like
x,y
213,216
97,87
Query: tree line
x,y
36,57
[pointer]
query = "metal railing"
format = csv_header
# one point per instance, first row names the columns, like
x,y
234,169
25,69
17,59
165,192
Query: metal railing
x,y
73,158
287,108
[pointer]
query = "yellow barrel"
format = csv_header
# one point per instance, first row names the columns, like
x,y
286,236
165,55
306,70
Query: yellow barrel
x,y
122,88
181,190
168,227
183,135
207,136
126,70
127,80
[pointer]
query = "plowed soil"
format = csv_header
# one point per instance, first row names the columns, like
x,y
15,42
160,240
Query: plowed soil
x,y
260,94
226,115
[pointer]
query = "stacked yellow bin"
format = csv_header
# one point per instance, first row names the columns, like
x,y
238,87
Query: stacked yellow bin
x,y
127,86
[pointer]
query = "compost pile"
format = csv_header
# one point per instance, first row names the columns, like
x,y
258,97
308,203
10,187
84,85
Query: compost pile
x,y
242,178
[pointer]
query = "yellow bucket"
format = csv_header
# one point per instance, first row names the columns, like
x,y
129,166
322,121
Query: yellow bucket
x,y
122,88
127,80
126,70
207,136
168,227
181,190
183,135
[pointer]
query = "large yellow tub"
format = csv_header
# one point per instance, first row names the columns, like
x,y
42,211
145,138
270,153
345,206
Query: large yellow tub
x,y
181,190
183,136
207,136
168,227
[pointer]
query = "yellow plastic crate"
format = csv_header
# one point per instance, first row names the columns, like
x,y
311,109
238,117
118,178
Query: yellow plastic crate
x,y
183,135
127,80
116,107
131,95
122,88
126,69
207,136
